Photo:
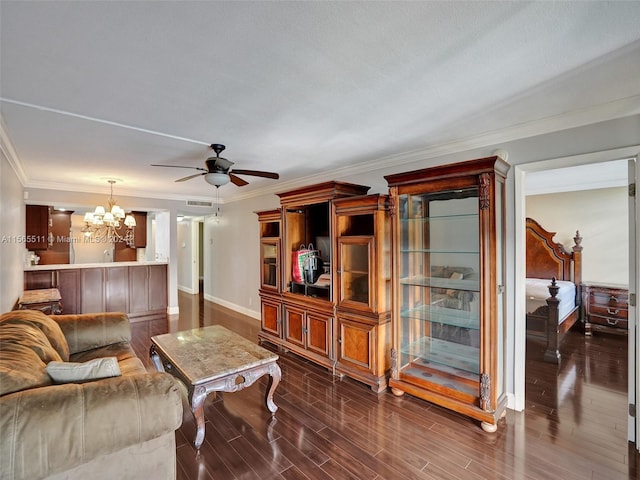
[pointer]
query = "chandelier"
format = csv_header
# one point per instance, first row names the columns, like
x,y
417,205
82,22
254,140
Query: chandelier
x,y
105,225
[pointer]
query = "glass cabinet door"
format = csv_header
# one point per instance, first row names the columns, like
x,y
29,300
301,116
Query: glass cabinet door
x,y
354,270
439,289
270,273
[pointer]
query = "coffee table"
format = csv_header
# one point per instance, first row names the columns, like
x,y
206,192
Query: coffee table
x,y
213,359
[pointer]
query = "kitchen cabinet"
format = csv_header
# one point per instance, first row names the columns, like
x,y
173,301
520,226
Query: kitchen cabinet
x,y
140,290
37,227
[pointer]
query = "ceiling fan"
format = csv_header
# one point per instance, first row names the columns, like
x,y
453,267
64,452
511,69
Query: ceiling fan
x,y
218,171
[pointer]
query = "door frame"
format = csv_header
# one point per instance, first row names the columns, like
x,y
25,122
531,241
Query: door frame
x,y
519,323
633,420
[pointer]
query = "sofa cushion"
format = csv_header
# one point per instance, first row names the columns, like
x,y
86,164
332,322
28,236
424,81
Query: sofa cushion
x,y
20,369
29,336
73,372
128,362
86,331
49,327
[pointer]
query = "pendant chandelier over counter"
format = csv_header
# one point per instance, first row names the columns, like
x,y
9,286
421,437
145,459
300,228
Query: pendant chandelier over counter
x,y
105,225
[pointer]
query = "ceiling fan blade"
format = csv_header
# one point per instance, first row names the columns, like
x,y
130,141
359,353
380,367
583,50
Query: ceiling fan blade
x,y
237,181
190,177
180,166
257,173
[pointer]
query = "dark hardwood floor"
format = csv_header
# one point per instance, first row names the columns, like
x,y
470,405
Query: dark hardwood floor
x,y
574,425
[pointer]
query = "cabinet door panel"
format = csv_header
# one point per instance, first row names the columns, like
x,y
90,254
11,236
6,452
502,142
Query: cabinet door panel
x,y
294,326
318,334
39,279
68,283
138,289
92,293
271,318
117,289
157,287
356,344
37,227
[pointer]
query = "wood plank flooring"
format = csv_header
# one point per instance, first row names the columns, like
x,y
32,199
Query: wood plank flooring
x,y
574,425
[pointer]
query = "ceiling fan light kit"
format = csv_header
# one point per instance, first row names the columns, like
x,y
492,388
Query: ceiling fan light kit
x,y
218,171
217,179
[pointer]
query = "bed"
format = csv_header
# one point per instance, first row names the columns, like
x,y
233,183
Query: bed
x,y
553,287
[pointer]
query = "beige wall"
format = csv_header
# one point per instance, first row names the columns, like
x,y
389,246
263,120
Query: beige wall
x,y
601,217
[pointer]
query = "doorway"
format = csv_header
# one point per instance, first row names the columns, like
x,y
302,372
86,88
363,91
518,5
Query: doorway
x,y
521,172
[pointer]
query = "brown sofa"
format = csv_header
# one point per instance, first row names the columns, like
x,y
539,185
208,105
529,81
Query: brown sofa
x,y
116,427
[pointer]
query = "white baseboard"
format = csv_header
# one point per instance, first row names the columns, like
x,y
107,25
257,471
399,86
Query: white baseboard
x,y
190,291
173,310
233,306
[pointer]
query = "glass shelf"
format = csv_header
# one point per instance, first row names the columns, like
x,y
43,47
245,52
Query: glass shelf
x,y
444,355
440,218
443,315
438,282
439,252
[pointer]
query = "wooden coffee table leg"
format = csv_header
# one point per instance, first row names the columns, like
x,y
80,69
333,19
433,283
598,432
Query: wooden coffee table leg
x,y
275,375
197,407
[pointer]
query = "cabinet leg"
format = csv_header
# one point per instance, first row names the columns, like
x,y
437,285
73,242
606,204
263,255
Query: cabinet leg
x,y
396,392
489,427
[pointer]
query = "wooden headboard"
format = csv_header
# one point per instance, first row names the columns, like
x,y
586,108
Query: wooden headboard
x,y
546,258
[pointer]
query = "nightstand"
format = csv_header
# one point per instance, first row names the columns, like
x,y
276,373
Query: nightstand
x,y
605,308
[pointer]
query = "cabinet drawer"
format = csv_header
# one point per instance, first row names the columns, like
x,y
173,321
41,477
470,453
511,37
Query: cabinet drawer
x,y
609,311
610,299
608,321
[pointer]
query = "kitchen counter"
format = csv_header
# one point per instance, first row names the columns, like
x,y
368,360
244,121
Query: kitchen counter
x,y
67,266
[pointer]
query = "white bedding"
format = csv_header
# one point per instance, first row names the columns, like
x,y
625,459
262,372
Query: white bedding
x,y
538,292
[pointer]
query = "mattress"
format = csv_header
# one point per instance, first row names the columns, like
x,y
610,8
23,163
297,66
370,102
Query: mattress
x,y
538,292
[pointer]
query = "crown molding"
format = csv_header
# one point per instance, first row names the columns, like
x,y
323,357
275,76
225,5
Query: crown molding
x,y
122,191
10,153
620,108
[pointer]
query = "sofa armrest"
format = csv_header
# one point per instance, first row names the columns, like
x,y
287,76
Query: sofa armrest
x,y
86,331
52,429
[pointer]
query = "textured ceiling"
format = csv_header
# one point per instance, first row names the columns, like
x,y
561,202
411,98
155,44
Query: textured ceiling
x,y
104,89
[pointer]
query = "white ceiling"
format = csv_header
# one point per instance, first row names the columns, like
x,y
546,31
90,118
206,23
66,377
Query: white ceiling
x,y
104,89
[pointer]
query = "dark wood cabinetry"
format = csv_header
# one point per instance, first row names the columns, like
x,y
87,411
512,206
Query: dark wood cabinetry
x,y
606,308
138,290
37,227
125,253
449,287
66,281
48,234
270,225
362,280
299,311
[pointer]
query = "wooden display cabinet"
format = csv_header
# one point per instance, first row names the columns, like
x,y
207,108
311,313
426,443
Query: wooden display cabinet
x,y
270,225
362,273
299,314
448,287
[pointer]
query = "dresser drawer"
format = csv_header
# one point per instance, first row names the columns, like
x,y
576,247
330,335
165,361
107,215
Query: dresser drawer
x,y
614,300
605,308
611,312
608,321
